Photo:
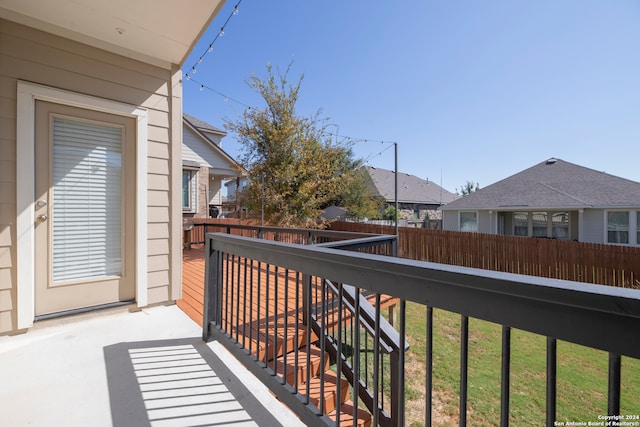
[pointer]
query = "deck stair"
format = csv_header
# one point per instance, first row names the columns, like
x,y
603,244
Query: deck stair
x,y
318,391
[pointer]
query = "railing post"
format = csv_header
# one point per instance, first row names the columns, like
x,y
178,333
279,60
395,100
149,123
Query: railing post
x,y
397,362
212,275
551,380
505,376
613,400
306,299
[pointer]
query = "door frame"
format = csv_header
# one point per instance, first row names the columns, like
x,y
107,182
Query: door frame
x,y
27,95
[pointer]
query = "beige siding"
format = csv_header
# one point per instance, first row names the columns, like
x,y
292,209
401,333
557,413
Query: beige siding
x,y
34,56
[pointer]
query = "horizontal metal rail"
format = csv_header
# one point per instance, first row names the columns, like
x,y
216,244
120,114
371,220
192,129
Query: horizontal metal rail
x,y
312,236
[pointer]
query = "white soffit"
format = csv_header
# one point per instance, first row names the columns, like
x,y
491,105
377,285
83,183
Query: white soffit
x,y
161,32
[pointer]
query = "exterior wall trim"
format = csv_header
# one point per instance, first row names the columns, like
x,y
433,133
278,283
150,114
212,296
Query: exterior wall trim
x,y
27,94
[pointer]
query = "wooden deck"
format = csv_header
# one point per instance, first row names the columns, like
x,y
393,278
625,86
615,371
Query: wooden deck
x,y
192,301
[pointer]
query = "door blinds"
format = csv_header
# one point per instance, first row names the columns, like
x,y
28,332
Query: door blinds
x,y
86,208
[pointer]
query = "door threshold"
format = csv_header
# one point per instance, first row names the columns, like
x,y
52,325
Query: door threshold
x,y
82,310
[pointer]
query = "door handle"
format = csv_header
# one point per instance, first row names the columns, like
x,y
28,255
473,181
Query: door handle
x,y
43,217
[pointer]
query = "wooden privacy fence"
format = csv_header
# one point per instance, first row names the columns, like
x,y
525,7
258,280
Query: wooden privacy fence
x,y
558,259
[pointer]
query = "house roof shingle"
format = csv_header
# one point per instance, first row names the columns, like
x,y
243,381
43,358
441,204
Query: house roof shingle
x,y
411,189
554,183
203,126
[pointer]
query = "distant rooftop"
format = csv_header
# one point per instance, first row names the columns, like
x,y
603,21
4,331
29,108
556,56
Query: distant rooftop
x,y
554,183
411,189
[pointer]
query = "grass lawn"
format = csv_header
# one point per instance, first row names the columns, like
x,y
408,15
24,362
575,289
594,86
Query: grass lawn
x,y
582,375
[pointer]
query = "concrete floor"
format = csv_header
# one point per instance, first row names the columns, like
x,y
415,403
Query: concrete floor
x,y
128,368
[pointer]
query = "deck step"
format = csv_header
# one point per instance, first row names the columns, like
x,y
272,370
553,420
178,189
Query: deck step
x,y
330,391
274,351
317,364
346,416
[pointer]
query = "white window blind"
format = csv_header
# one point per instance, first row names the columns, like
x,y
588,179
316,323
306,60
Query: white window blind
x,y
86,208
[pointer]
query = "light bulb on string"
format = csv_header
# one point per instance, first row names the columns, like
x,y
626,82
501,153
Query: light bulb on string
x,y
193,70
235,10
200,60
221,33
210,48
187,76
201,88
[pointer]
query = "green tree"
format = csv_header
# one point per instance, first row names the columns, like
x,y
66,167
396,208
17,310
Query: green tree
x,y
468,188
295,169
389,214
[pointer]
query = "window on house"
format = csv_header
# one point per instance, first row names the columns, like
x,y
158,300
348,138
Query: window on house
x,y
520,224
618,227
416,213
539,223
560,225
189,181
469,221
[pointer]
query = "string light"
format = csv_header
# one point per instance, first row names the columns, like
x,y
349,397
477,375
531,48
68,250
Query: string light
x,y
350,140
226,97
210,47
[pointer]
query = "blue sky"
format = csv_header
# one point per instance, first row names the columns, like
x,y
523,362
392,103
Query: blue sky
x,y
469,89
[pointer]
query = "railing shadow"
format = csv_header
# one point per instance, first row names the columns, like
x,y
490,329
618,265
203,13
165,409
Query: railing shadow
x,y
177,382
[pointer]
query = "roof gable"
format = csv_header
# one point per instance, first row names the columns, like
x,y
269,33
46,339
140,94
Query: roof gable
x,y
203,126
554,183
196,146
411,189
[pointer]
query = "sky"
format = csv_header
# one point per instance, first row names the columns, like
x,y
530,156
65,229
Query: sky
x,y
470,90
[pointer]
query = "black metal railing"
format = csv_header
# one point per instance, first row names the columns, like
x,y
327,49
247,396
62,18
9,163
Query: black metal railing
x,y
301,236
310,317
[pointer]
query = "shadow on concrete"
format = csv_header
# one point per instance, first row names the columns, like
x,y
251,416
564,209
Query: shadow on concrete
x,y
177,382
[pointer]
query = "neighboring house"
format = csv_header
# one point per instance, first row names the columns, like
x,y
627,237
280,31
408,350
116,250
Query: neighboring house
x,y
205,166
418,199
90,153
553,199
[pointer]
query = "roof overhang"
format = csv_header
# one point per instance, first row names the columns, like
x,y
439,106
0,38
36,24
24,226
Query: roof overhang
x,y
159,32
519,208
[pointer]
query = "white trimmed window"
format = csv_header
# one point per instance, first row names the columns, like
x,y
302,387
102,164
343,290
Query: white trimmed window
x,y
469,221
622,227
560,225
189,190
520,224
541,224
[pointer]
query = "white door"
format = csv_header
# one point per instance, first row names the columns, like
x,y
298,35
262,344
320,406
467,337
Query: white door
x,y
84,208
